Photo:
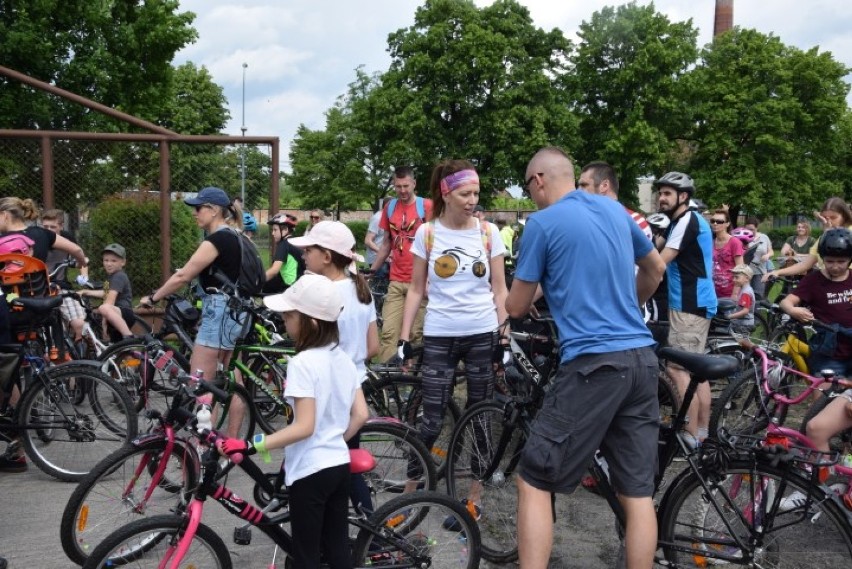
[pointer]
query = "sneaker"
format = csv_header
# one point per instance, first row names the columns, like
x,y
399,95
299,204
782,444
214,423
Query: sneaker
x,y
452,524
11,463
793,501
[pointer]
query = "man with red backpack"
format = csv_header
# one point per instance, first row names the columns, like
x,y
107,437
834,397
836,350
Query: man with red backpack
x,y
401,217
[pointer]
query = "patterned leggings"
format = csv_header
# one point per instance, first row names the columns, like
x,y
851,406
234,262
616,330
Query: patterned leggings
x,y
441,355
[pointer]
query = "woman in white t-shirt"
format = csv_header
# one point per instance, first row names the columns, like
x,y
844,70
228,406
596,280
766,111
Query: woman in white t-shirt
x,y
461,258
328,408
329,251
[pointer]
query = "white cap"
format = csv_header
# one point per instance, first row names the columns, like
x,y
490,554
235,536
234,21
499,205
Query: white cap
x,y
331,235
313,295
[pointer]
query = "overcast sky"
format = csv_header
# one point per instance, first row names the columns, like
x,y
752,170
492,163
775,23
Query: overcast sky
x,y
301,54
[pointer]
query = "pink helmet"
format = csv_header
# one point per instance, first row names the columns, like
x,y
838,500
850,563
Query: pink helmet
x,y
743,234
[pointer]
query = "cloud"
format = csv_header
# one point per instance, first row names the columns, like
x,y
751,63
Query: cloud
x,y
301,54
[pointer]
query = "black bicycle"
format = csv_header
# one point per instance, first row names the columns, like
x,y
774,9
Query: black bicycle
x,y
69,416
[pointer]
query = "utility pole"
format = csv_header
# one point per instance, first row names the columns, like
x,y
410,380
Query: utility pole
x,y
243,148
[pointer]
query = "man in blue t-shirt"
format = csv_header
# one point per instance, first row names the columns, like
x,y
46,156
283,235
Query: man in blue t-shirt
x,y
688,254
581,249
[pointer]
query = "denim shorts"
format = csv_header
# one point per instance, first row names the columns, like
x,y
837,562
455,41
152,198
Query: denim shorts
x,y
597,401
220,327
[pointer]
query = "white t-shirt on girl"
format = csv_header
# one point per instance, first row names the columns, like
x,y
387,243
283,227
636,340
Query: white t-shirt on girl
x,y
353,323
328,376
461,302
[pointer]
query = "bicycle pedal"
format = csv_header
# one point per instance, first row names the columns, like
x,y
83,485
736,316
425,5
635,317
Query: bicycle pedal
x,y
242,536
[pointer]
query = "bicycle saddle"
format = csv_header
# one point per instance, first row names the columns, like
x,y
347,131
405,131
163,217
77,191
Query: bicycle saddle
x,y
38,305
360,461
701,365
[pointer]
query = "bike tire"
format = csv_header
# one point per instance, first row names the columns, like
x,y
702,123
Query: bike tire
x,y
238,403
270,416
398,451
126,362
481,441
692,530
399,396
109,496
102,423
740,408
429,538
667,397
147,542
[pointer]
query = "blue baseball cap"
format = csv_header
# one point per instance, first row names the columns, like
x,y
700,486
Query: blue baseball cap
x,y
211,195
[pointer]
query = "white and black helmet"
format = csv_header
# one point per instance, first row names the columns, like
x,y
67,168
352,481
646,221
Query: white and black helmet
x,y
659,221
677,180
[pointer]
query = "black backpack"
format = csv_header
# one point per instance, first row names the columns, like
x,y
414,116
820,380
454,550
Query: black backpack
x,y
252,273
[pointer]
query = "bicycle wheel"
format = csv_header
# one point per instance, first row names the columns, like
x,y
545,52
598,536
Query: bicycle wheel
x,y
149,542
270,415
399,396
400,455
750,497
235,417
150,388
483,442
112,494
67,439
744,408
429,543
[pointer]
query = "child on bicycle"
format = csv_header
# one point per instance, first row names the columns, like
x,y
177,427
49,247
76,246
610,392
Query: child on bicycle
x,y
742,319
117,307
323,388
329,251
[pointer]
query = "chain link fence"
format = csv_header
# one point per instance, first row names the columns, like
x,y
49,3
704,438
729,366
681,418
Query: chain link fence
x,y
110,192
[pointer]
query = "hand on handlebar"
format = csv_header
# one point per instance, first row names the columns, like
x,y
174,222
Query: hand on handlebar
x,y
404,350
82,280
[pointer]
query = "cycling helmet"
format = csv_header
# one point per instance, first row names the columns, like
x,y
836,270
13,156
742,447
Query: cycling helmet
x,y
249,222
835,242
659,221
283,219
744,235
677,180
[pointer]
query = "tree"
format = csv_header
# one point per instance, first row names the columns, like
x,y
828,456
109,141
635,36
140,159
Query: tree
x,y
117,53
627,92
768,134
464,82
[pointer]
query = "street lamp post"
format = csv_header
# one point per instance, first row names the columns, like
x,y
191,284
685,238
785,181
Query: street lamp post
x,y
243,148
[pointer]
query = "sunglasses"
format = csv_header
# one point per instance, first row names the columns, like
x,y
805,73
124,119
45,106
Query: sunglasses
x,y
198,207
525,191
314,217
718,221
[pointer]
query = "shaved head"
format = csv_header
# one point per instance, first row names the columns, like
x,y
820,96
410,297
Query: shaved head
x,y
554,162
553,174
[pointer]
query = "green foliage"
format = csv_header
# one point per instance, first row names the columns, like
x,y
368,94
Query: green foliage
x,y
359,230
135,224
464,82
506,203
627,90
766,136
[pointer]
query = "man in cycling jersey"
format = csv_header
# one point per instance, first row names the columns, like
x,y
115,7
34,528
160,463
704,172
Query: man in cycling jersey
x,y
605,393
688,254
599,178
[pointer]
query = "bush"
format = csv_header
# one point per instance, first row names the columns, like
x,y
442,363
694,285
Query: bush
x,y
359,230
135,224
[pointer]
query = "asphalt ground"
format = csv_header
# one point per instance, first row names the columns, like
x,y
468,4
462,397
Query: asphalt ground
x,y
31,505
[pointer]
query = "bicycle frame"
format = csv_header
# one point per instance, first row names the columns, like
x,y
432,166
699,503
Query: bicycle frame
x,y
245,372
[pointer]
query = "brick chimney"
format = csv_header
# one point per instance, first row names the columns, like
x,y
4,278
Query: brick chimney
x,y
724,19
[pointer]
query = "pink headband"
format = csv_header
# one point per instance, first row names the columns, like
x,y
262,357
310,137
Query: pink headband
x,y
458,179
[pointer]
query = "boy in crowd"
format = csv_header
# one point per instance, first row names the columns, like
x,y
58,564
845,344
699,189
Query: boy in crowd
x,y
117,307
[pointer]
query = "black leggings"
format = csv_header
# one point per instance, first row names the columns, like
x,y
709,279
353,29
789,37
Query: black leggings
x,y
319,510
